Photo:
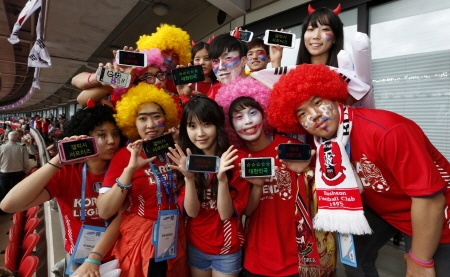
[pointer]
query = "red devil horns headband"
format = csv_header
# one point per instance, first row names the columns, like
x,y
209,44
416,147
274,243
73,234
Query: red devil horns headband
x,y
336,11
193,43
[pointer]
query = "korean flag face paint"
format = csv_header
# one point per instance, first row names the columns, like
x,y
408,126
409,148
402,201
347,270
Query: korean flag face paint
x,y
227,67
257,59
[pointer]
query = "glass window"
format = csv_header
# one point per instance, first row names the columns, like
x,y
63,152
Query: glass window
x,y
411,64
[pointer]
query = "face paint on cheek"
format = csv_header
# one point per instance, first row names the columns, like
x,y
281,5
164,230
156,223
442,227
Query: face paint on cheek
x,y
329,36
231,63
160,123
238,124
308,123
215,69
327,110
262,58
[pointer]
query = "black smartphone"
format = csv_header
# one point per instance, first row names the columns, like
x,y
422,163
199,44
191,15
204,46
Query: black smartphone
x,y
257,167
131,58
283,39
203,163
294,151
158,146
186,75
74,150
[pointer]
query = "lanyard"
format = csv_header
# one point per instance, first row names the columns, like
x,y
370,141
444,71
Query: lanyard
x,y
168,186
83,193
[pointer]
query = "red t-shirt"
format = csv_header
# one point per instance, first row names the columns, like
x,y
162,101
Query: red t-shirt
x,y
202,87
65,185
271,247
212,92
396,161
207,232
142,198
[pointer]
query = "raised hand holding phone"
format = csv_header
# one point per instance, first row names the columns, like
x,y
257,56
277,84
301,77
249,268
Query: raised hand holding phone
x,y
179,158
283,39
297,166
76,149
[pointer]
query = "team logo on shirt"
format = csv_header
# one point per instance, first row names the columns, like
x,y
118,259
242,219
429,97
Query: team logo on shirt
x,y
96,186
331,167
371,175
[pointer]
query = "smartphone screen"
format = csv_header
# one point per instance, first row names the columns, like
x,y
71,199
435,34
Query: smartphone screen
x,y
73,150
294,152
113,78
158,146
203,163
131,58
257,167
279,38
245,35
186,75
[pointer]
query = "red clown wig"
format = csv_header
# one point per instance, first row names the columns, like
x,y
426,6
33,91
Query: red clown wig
x,y
298,86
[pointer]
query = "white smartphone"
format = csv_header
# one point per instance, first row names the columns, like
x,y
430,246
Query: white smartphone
x,y
257,167
245,35
131,58
283,39
110,77
202,163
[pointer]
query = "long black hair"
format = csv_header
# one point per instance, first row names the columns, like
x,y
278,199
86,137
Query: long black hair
x,y
197,47
203,109
323,16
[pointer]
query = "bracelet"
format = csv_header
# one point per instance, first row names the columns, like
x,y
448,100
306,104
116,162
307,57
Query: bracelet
x,y
88,80
122,186
98,254
54,165
92,261
418,261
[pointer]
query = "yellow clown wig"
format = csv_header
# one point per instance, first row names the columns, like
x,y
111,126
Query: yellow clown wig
x,y
168,37
128,108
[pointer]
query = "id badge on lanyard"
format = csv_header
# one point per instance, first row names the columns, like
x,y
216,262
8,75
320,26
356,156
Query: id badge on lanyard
x,y
345,241
87,239
88,236
165,234
165,229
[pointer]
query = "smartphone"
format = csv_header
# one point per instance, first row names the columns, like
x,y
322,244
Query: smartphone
x,y
257,167
245,35
158,146
186,75
74,150
202,163
294,151
110,77
131,58
283,39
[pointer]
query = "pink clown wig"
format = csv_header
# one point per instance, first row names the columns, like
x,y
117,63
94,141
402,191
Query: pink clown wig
x,y
248,87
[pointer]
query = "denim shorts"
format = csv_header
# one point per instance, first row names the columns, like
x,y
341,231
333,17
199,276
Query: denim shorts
x,y
225,264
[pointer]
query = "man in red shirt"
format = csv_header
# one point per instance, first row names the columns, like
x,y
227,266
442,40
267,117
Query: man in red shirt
x,y
400,170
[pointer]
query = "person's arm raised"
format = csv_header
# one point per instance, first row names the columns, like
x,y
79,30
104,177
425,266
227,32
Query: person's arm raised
x,y
109,203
